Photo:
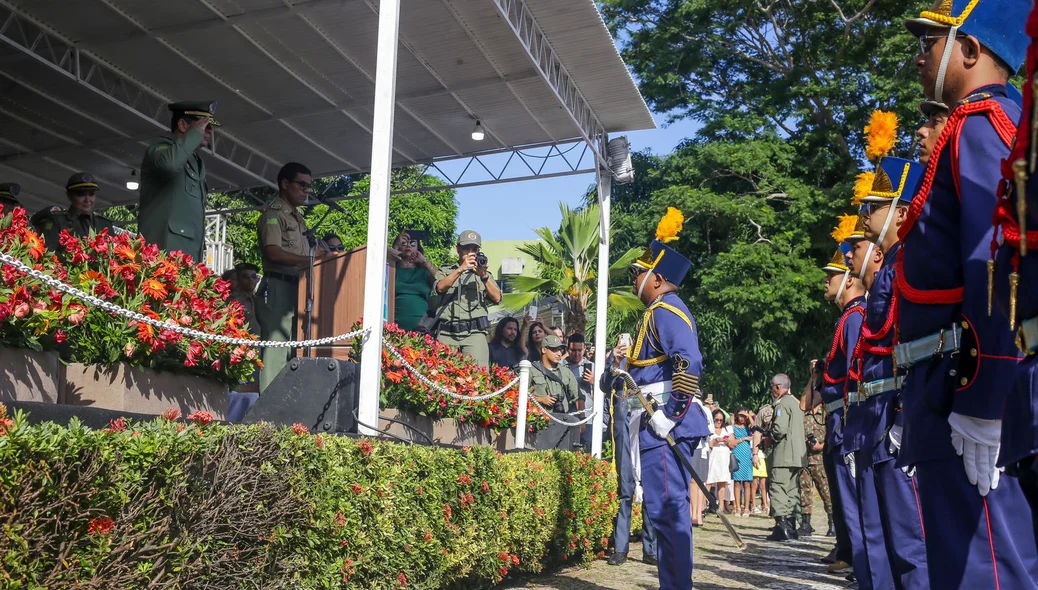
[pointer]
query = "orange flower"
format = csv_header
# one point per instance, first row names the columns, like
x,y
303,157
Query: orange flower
x,y
35,244
154,288
125,251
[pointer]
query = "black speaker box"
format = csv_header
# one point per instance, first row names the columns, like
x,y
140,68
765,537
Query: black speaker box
x,y
320,393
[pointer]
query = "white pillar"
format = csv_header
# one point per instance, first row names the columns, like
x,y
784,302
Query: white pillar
x,y
605,189
378,212
520,410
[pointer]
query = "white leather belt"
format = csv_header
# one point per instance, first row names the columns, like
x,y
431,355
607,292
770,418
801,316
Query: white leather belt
x,y
836,404
1027,337
923,349
879,386
660,391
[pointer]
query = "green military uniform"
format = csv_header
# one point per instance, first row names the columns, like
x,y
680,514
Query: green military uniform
x,y
9,196
279,225
51,221
814,473
787,456
248,303
174,189
563,387
464,321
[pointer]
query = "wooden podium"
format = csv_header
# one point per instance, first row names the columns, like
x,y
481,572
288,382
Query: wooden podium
x,y
338,300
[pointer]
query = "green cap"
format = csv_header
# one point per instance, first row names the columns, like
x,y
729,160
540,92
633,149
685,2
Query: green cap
x,y
10,190
196,108
82,182
552,341
468,238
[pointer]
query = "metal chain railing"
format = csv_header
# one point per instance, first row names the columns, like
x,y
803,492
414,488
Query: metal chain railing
x,y
547,413
428,382
168,324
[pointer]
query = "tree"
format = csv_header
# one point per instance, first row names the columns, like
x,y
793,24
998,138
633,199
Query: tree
x,y
568,264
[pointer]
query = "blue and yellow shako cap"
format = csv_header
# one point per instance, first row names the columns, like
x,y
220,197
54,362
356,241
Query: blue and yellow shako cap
x,y
661,258
82,181
858,233
10,190
196,108
838,264
896,179
995,23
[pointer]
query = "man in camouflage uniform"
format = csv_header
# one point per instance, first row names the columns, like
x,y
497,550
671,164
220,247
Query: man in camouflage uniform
x,y
814,427
465,292
554,386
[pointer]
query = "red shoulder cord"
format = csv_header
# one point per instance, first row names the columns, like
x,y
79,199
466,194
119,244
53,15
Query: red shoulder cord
x,y
838,343
867,336
952,131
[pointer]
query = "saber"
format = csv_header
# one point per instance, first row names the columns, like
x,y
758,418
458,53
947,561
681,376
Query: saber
x,y
651,408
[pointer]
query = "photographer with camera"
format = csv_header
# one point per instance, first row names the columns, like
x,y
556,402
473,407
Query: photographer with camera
x,y
466,290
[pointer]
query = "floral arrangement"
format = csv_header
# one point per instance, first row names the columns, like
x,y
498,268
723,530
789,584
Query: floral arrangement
x,y
453,371
129,272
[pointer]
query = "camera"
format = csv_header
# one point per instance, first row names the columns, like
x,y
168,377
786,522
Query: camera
x,y
481,259
812,440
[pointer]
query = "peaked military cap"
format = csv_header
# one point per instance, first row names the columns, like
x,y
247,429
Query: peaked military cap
x,y
10,190
196,108
859,231
990,21
552,341
896,179
839,262
82,181
929,107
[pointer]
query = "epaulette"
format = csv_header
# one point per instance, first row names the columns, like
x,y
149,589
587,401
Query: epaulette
x,y
976,97
275,204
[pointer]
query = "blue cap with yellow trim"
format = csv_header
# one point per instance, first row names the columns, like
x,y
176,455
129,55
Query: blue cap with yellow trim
x,y
995,23
661,258
896,179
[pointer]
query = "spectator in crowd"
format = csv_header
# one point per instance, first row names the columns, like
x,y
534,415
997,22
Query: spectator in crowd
x,y
469,290
173,185
247,278
718,474
759,487
533,339
79,219
333,243
741,445
584,370
231,276
558,332
504,348
814,426
286,251
9,196
414,280
589,352
554,387
787,457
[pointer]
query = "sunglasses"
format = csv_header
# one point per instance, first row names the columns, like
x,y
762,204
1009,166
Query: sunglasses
x,y
250,276
927,42
336,248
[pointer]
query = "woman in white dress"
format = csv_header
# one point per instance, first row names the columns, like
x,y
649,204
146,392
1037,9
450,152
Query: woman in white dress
x,y
719,474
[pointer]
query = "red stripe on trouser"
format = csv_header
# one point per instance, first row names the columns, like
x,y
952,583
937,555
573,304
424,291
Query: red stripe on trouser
x,y
918,507
991,543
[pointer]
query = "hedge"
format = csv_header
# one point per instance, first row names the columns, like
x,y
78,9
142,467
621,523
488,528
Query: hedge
x,y
186,504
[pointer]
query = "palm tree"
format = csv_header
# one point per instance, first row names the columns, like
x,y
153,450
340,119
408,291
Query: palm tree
x,y
568,263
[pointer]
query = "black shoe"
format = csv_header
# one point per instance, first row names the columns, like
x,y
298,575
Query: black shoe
x,y
791,528
831,558
780,532
617,559
832,528
651,560
805,526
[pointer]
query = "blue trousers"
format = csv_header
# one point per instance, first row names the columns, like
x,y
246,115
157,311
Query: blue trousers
x,y
974,541
666,482
901,519
626,485
852,516
880,574
239,404
843,539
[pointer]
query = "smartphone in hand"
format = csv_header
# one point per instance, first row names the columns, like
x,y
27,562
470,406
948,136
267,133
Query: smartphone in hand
x,y
626,340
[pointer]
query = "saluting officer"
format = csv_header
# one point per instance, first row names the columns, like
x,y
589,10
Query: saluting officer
x,y
79,219
173,186
9,196
554,386
960,363
286,252
466,292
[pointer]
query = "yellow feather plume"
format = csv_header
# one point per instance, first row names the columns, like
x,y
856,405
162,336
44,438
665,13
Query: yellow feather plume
x,y
845,228
862,186
670,225
881,134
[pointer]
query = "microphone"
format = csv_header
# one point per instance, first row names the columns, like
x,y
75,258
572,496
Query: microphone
x,y
331,204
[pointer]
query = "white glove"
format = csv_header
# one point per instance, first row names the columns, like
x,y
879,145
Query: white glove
x,y
849,460
639,493
895,439
661,424
977,442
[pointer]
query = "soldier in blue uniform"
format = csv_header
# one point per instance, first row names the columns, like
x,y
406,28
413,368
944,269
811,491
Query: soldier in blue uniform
x,y
871,562
665,361
885,208
1016,273
960,364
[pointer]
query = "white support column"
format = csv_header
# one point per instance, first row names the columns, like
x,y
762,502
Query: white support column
x,y
378,212
524,398
605,189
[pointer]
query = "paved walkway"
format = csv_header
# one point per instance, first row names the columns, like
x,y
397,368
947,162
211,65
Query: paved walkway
x,y
792,565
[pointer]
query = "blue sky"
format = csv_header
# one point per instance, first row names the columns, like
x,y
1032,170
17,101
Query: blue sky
x,y
510,211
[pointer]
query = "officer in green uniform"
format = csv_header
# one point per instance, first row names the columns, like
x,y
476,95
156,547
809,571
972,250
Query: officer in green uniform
x,y
79,219
466,291
286,252
554,386
9,196
173,186
814,474
786,457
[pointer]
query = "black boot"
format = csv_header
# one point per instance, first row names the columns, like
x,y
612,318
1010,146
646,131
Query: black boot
x,y
831,558
791,528
618,559
781,530
805,525
832,528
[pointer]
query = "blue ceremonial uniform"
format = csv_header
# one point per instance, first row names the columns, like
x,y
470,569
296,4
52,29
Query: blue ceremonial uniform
x,y
941,282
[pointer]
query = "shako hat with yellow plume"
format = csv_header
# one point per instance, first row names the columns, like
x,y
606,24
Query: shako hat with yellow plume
x,y
845,226
838,264
660,258
990,21
895,179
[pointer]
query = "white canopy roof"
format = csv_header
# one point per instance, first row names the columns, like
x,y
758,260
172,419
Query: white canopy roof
x,y
84,84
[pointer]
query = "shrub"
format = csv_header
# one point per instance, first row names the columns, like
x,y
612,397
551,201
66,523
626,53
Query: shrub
x,y
182,505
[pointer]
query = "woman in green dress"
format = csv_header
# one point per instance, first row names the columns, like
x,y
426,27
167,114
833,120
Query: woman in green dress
x,y
414,279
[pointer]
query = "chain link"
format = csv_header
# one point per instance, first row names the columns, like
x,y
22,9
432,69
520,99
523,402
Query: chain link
x,y
168,324
547,413
436,387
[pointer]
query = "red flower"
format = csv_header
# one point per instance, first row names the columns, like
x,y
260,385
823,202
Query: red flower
x,y
21,310
365,448
171,414
401,580
117,425
300,429
35,244
447,512
340,519
76,313
5,425
200,417
101,526
357,488
428,536
60,336
464,479
154,288
319,441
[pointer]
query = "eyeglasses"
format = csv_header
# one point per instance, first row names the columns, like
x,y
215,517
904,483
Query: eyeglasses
x,y
718,419
872,207
410,243
927,42
338,248
303,185
250,276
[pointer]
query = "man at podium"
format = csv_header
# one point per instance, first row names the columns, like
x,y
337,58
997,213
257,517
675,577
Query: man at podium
x,y
467,290
286,252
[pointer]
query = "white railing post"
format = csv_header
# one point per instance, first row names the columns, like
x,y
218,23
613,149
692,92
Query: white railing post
x,y
605,187
524,399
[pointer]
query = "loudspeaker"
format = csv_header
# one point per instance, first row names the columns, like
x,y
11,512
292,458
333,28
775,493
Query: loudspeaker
x,y
96,418
320,393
